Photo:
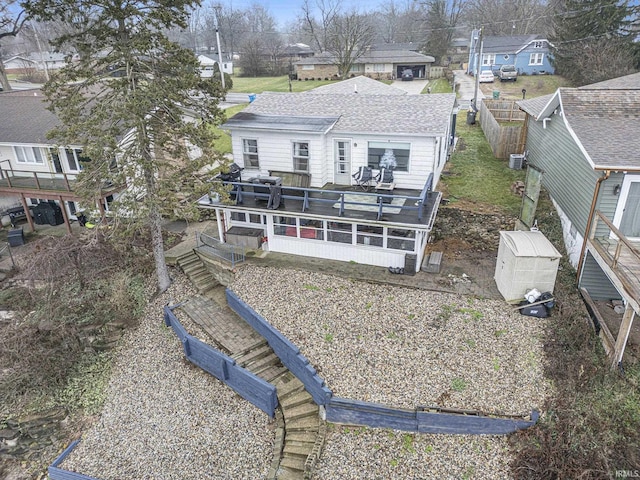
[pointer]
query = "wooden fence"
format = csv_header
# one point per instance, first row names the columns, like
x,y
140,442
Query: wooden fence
x,y
249,386
503,139
288,353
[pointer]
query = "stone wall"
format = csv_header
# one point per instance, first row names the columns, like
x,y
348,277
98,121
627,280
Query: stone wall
x,y
320,72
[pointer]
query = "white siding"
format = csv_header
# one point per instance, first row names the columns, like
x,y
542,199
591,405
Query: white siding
x,y
8,153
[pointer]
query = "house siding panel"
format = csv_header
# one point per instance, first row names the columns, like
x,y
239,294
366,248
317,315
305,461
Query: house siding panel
x,y
567,176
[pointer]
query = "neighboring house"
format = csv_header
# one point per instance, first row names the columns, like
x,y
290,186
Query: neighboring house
x,y
37,61
378,64
529,53
33,169
586,143
208,62
296,51
320,140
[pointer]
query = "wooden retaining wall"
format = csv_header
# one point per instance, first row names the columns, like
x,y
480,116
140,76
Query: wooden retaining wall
x,y
423,420
288,353
249,386
56,473
503,139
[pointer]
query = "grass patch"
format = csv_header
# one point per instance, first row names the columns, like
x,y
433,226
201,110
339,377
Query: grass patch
x,y
439,85
476,177
274,84
535,85
458,384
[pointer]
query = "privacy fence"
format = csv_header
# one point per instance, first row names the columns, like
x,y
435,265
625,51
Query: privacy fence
x,y
503,124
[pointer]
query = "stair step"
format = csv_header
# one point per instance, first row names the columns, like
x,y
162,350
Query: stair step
x,y
286,474
301,451
271,372
190,262
300,411
292,462
296,399
262,364
303,424
289,388
199,275
253,355
301,437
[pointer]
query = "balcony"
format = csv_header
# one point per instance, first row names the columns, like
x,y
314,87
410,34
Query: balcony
x,y
619,259
35,183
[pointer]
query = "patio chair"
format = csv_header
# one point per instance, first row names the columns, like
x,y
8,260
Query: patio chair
x,y
385,176
363,177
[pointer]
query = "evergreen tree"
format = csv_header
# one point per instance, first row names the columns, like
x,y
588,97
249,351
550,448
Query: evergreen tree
x,y
594,39
136,98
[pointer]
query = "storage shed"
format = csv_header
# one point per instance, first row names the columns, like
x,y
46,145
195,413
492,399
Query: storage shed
x,y
526,260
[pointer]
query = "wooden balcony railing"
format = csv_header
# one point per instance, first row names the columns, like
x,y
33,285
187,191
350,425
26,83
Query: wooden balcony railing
x,y
621,254
20,179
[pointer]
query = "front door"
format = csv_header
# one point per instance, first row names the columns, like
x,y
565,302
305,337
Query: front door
x,y
630,216
342,154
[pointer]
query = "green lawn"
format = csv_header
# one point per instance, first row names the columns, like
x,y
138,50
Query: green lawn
x,y
475,176
223,142
535,85
439,85
274,84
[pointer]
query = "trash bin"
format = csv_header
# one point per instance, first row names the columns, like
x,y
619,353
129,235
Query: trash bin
x,y
496,94
15,237
252,97
471,117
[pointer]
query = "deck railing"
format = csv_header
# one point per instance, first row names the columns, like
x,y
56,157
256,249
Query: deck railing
x,y
622,256
272,195
225,251
38,180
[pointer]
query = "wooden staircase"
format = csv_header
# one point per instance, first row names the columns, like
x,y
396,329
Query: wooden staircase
x,y
194,268
304,431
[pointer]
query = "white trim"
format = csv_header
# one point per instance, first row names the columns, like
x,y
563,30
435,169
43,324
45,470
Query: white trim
x,y
538,57
622,200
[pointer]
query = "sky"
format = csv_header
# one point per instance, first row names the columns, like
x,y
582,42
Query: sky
x,y
285,11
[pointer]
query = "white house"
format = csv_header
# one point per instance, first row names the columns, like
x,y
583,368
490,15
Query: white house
x,y
207,66
324,138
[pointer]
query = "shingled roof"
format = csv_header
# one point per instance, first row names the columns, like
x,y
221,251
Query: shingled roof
x,y
25,119
360,85
373,56
421,115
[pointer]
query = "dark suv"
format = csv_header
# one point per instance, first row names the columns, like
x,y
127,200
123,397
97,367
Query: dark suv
x,y
407,74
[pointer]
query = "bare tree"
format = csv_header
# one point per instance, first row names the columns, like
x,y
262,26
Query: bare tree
x,y
12,18
443,17
319,29
510,17
349,38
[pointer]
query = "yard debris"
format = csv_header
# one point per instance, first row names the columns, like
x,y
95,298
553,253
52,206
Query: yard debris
x,y
517,188
464,278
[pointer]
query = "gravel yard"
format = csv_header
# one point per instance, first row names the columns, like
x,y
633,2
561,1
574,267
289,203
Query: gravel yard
x,y
165,418
404,347
373,454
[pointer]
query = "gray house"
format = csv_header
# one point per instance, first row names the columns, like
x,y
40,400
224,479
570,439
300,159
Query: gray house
x,y
585,141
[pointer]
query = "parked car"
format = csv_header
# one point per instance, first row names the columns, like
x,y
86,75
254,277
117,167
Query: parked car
x,y
508,72
486,76
407,74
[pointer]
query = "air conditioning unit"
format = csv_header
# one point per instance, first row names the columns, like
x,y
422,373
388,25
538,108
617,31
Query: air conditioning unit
x,y
516,161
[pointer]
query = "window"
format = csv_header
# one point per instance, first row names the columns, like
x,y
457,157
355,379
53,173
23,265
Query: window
x,y
378,67
301,156
340,232
308,67
401,239
75,159
389,153
357,68
285,226
250,153
369,235
31,155
488,59
538,44
536,58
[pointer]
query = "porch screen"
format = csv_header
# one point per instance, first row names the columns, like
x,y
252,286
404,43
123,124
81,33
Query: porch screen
x,y
389,153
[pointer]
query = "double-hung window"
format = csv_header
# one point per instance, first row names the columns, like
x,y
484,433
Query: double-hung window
x,y
301,157
488,59
30,155
75,159
250,153
536,58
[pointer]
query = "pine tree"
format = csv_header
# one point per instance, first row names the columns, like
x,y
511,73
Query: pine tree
x,y
594,40
136,104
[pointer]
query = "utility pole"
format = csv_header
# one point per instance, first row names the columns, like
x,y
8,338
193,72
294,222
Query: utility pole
x,y
478,61
216,9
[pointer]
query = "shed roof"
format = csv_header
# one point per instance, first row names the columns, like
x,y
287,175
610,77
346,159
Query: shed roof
x,y
416,115
284,123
